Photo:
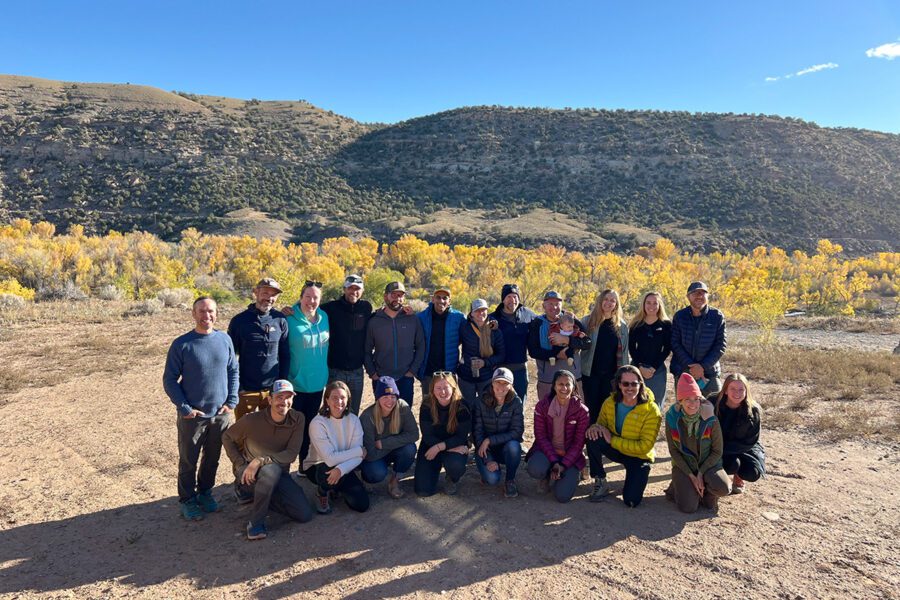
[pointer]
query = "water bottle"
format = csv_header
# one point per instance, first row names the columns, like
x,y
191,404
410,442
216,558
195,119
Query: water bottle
x,y
476,370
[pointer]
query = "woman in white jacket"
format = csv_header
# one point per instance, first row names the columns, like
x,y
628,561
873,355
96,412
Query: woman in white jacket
x,y
336,449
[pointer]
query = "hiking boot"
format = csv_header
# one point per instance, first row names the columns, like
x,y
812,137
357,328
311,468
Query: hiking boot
x,y
710,501
207,503
511,490
670,493
737,485
600,489
242,496
394,490
256,532
191,511
451,487
323,504
544,485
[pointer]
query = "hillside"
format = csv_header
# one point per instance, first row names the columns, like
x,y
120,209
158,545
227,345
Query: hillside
x,y
133,157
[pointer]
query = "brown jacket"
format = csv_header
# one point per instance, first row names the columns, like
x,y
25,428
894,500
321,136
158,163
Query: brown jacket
x,y
256,435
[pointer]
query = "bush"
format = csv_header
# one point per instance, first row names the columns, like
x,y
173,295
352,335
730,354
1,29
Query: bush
x,y
109,293
145,307
12,286
11,302
175,297
66,291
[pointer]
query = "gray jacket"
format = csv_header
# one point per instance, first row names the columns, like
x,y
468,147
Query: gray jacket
x,y
394,346
587,357
408,434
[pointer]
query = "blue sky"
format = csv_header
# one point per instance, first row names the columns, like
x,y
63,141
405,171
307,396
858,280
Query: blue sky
x,y
389,61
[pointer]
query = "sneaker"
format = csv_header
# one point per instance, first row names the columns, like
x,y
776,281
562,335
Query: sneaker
x,y
451,487
394,490
191,511
207,503
737,485
511,490
600,489
256,532
242,496
323,504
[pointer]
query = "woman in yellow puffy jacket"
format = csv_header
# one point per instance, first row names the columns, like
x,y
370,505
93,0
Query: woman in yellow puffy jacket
x,y
625,432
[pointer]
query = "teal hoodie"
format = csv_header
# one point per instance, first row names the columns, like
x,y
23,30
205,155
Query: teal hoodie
x,y
309,351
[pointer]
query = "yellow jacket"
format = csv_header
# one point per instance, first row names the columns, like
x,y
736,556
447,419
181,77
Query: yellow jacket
x,y
638,435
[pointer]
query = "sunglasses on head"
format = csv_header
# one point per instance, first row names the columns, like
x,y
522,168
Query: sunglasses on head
x,y
629,383
442,374
311,283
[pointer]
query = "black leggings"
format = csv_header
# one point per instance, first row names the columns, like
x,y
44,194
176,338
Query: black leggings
x,y
428,471
743,465
349,485
637,470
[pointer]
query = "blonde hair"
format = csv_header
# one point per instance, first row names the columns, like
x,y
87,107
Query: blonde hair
x,y
642,314
455,398
378,418
747,403
485,348
596,319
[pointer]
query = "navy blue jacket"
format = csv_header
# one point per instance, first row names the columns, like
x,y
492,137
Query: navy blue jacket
x,y
261,344
515,335
471,348
455,318
704,344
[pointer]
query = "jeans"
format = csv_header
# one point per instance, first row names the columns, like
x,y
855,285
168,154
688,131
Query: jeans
x,y
637,470
401,458
196,435
564,488
657,385
509,454
275,489
743,465
349,485
307,403
520,383
354,381
428,471
404,386
471,391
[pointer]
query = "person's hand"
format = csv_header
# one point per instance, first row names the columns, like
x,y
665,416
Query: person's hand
x,y
477,363
249,474
287,311
562,354
432,452
483,448
492,466
593,432
697,480
606,433
374,376
493,323
194,414
647,372
225,410
363,451
410,374
556,471
378,444
463,449
334,476
696,370
407,309
558,339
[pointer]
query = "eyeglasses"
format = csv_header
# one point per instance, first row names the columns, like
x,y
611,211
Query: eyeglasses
x,y
310,283
629,383
442,374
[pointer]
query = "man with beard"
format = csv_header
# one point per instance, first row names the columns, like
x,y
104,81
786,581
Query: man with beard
x,y
395,342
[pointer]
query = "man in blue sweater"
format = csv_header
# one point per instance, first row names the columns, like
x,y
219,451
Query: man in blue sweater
x,y
698,340
259,335
440,323
201,380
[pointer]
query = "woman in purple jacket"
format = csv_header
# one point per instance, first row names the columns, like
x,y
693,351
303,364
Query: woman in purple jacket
x,y
560,422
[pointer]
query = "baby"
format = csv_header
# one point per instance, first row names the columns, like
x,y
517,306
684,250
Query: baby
x,y
565,326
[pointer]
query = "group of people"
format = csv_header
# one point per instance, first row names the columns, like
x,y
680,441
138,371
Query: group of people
x,y
286,385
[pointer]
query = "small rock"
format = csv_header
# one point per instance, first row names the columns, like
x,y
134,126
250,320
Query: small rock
x,y
772,516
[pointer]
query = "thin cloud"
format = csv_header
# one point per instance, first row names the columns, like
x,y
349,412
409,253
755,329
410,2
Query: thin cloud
x,y
802,72
888,51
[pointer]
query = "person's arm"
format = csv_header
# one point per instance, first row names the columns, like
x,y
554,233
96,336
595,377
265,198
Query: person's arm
x,y
284,351
535,349
419,355
541,436
408,434
633,345
429,438
233,376
677,458
460,437
646,437
665,345
624,356
499,355
717,351
478,422
233,441
715,453
234,334
171,376
573,452
369,433
580,343
368,353
680,354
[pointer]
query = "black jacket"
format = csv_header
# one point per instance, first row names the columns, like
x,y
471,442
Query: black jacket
x,y
508,424
260,341
740,434
347,327
435,434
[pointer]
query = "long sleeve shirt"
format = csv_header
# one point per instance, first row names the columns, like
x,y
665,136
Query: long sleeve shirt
x,y
408,434
257,436
201,373
335,442
435,433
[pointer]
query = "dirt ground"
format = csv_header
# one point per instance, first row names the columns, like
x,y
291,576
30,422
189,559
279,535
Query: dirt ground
x,y
88,507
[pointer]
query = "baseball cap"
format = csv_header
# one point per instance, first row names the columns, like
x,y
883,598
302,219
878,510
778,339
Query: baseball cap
x,y
268,282
552,295
282,385
478,304
352,280
442,288
502,373
697,285
394,286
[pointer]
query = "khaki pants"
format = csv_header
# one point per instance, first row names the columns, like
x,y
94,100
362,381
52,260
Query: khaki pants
x,y
249,402
716,484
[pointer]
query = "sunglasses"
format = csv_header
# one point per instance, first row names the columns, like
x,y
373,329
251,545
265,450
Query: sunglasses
x,y
311,283
442,374
629,383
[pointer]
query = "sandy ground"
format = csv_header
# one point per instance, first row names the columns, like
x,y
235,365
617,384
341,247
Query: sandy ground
x,y
88,509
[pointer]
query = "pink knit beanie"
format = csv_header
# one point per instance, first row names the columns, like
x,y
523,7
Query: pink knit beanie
x,y
687,387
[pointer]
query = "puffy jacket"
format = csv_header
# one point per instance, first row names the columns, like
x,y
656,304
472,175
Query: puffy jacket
x,y
455,318
577,421
704,345
508,424
639,430
515,333
471,348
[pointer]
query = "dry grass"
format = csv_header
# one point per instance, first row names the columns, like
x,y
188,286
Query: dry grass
x,y
850,324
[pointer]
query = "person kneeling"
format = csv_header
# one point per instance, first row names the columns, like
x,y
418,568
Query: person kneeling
x,y
695,444
446,424
389,436
499,427
335,450
625,432
262,445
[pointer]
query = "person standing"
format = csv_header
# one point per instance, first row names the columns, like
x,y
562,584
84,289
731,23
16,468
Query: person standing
x,y
541,344
440,325
698,340
608,351
513,320
395,342
201,380
260,338
482,352
261,448
650,343
348,318
308,336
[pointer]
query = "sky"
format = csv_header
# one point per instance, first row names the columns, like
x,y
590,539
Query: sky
x,y
836,63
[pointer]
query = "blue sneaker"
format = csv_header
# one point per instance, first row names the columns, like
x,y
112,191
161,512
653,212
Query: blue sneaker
x,y
191,511
206,502
256,532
